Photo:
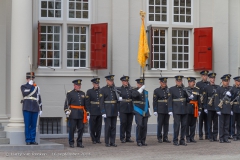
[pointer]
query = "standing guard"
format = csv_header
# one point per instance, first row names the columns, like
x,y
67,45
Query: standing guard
x,y
194,110
93,105
126,110
236,109
203,116
76,110
141,111
177,105
32,107
209,107
109,110
223,108
160,108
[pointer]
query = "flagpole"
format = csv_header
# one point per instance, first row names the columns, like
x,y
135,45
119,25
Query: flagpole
x,y
142,14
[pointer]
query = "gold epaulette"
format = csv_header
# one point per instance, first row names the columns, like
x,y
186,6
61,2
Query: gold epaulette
x,y
69,91
197,87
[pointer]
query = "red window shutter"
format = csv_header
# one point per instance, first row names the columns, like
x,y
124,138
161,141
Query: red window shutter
x,y
203,48
99,46
39,45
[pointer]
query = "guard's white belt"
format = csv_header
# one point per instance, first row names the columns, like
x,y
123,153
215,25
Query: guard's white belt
x,y
32,98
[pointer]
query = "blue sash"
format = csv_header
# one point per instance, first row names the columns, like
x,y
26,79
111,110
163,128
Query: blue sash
x,y
139,110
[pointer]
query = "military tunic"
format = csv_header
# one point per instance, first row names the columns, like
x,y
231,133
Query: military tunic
x,y
212,116
95,122
31,105
177,103
160,105
139,100
126,113
203,116
236,112
75,98
108,106
224,118
191,123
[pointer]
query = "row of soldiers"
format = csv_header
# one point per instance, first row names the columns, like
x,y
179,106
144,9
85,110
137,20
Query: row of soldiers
x,y
207,101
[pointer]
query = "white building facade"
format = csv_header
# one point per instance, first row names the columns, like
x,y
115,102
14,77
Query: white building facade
x,y
58,36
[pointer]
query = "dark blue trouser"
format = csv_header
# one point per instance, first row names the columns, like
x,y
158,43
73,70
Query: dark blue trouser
x,y
30,121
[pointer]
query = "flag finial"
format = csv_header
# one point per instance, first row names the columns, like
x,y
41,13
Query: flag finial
x,y
142,14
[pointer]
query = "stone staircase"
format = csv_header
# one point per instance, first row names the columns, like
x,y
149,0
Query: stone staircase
x,y
3,139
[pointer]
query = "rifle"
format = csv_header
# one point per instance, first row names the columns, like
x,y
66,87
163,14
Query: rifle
x,y
213,95
225,98
117,92
236,98
67,116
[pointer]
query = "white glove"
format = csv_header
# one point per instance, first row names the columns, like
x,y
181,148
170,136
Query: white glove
x,y
219,113
170,113
155,113
205,110
143,87
140,90
199,113
31,82
120,99
104,115
228,93
67,113
88,117
118,114
40,113
191,97
231,112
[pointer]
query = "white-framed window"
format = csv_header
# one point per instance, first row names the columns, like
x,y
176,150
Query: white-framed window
x,y
182,11
50,46
180,49
159,48
50,9
77,46
78,9
157,10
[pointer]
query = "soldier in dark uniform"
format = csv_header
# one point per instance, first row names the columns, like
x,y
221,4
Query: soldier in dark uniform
x,y
109,110
194,110
236,108
126,110
32,107
141,111
209,108
76,110
93,105
160,108
223,108
177,105
203,116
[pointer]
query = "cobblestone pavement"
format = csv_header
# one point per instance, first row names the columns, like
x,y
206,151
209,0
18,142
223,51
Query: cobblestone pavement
x,y
201,150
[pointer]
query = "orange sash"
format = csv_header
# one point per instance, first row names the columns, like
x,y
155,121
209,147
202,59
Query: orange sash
x,y
195,103
84,112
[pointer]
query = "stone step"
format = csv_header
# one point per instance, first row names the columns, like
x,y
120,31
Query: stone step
x,y
4,141
2,134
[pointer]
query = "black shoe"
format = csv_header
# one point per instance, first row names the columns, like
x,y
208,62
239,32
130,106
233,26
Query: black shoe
x,y
183,143
200,138
144,144
188,140
220,141
129,140
210,140
80,146
107,145
99,142
230,137
28,143
206,137
71,146
175,144
235,139
33,143
215,139
159,141
113,145
123,141
139,144
192,140
227,141
94,142
166,140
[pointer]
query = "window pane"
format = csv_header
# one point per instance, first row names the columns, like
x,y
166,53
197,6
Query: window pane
x,y
180,65
69,63
82,63
174,64
156,56
56,63
174,57
76,63
174,48
185,56
43,4
162,56
162,64
180,57
186,49
56,54
156,64
43,54
83,55
56,46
